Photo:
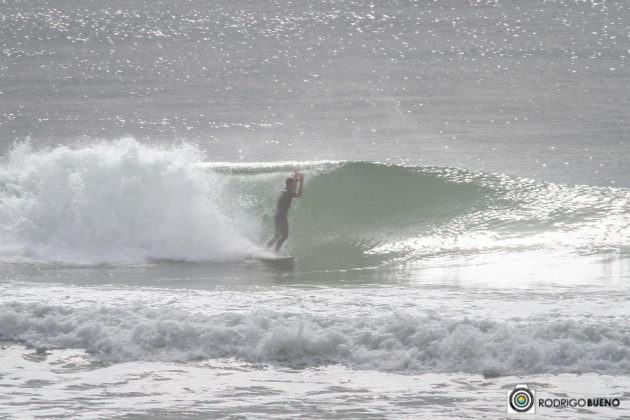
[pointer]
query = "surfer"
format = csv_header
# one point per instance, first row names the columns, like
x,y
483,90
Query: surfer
x,y
291,191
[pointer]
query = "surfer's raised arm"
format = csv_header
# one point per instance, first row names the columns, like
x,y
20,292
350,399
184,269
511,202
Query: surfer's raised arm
x,y
300,179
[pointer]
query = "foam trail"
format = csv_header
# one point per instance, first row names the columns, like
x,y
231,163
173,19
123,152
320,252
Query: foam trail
x,y
396,342
113,202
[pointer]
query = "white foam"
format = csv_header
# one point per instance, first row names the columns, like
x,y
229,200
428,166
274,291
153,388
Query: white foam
x,y
393,342
275,165
117,201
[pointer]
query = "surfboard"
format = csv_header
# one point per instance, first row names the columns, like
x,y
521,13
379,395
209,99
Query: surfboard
x,y
272,258
277,258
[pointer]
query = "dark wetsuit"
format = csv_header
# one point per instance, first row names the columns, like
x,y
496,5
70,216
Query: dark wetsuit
x,y
281,220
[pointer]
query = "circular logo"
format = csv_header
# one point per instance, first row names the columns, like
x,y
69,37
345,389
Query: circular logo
x,y
521,400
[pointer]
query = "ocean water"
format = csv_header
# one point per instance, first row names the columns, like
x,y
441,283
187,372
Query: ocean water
x,y
464,227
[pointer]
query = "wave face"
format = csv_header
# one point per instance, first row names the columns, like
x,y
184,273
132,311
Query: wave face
x,y
362,214
126,202
395,342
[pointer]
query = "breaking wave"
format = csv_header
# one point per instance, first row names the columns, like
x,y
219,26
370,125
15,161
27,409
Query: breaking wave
x,y
122,201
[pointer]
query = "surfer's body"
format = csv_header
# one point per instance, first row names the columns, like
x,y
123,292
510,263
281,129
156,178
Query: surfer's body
x,y
294,189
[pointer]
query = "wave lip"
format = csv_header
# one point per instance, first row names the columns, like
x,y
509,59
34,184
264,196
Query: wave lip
x,y
398,343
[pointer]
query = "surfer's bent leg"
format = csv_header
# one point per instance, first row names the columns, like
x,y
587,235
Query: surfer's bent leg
x,y
283,227
277,233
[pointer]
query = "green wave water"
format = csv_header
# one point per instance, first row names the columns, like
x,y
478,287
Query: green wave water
x,y
364,214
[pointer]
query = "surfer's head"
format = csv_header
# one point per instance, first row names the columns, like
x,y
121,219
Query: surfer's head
x,y
290,184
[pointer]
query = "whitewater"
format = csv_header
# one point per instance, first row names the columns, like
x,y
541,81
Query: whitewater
x,y
464,226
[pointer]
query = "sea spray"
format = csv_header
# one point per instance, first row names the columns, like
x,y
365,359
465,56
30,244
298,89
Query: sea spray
x,y
110,202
